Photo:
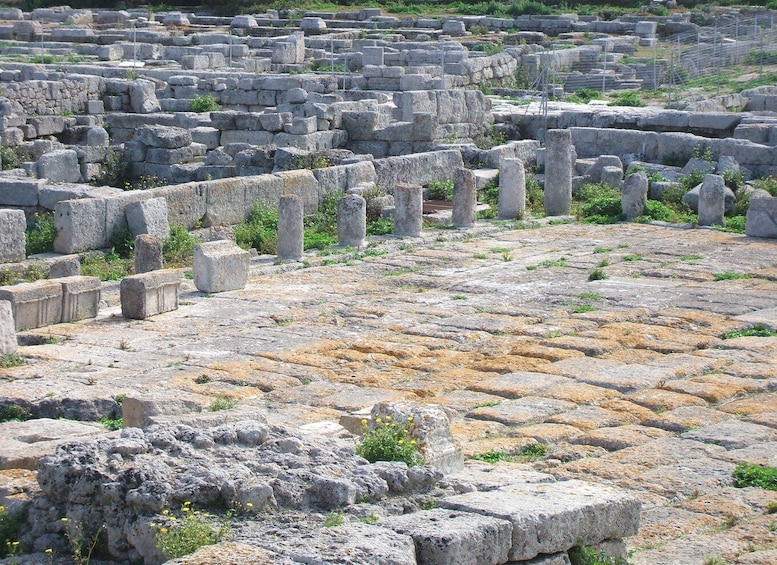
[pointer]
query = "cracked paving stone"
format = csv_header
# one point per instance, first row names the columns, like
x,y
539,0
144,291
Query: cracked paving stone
x,y
518,384
526,410
732,434
614,439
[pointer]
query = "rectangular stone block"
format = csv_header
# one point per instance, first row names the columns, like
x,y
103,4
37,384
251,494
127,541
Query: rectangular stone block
x,y
554,517
80,297
35,304
80,225
149,294
303,184
225,202
186,203
265,189
444,537
20,192
220,266
12,237
7,329
148,216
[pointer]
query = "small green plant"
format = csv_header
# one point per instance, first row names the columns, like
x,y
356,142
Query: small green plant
x,y
714,560
204,103
583,308
703,152
506,256
178,248
632,257
334,519
480,256
584,96
730,276
691,258
597,274
584,555
626,98
459,297
10,528
108,267
112,424
757,330
534,451
81,544
490,138
222,403
177,536
554,263
260,231
202,379
440,190
389,440
589,296
371,519
755,476
771,508
602,249
494,457
40,238
9,360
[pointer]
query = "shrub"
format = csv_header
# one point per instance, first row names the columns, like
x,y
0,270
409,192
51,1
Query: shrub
x,y
534,196
584,96
222,403
769,184
440,190
260,231
736,224
627,98
381,226
204,103
14,412
389,440
755,476
13,157
528,8
40,239
115,171
691,180
178,248
490,138
122,243
734,179
108,267
597,274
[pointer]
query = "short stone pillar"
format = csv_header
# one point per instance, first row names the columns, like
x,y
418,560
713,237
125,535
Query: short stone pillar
x,y
712,201
80,298
12,237
291,228
352,221
7,329
464,199
408,210
148,254
634,195
558,172
512,189
149,294
34,304
220,266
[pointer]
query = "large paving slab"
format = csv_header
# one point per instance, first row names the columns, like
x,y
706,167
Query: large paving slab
x,y
641,391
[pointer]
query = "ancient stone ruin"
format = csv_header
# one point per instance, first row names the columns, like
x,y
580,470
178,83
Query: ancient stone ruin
x,y
133,125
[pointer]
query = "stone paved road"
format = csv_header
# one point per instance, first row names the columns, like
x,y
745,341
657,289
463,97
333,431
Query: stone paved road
x,y
628,380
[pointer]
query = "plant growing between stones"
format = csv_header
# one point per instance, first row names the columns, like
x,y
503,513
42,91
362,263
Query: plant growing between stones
x,y
584,555
757,330
440,190
190,530
81,544
177,249
771,508
10,528
597,274
204,103
222,403
746,475
112,424
40,238
389,440
9,360
334,519
730,276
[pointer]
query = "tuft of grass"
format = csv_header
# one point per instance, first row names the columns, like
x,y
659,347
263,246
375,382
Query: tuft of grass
x,y
9,360
757,330
584,555
730,276
602,249
689,258
597,274
632,257
181,535
583,308
108,267
554,263
260,230
222,403
494,457
112,424
389,440
746,475
334,519
534,451
589,296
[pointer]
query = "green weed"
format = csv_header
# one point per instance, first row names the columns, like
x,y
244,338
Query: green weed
x,y
597,274
440,190
177,249
755,476
185,534
334,519
10,529
9,360
260,231
758,330
112,424
730,276
389,440
40,238
222,403
204,103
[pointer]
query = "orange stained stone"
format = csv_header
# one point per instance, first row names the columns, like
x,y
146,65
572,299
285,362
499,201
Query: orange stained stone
x,y
547,433
580,393
659,399
758,404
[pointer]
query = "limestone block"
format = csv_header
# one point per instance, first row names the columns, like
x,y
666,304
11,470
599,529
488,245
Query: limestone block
x,y
408,211
59,166
715,121
167,137
447,537
20,191
35,304
80,225
266,189
272,121
595,170
645,29
290,228
148,254
712,201
143,98
149,294
512,189
148,216
558,172
47,125
612,176
726,163
65,267
554,517
430,429
195,62
692,198
351,221
454,28
284,53
302,183
698,165
176,19
464,198
220,266
225,202
312,24
7,328
186,204
208,136
97,136
301,126
372,56
158,155
12,237
244,22
80,297
634,195
762,217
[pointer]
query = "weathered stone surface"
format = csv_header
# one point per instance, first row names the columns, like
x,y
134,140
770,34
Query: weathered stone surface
x,y
732,434
163,136
80,297
408,211
59,166
558,172
143,98
447,537
148,254
712,203
80,225
220,266
762,218
525,410
352,221
464,199
7,328
12,237
290,228
634,195
553,517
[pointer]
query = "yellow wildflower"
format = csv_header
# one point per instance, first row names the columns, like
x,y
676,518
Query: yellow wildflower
x,y
64,519
185,509
364,421
49,550
163,530
249,504
165,512
388,418
378,420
